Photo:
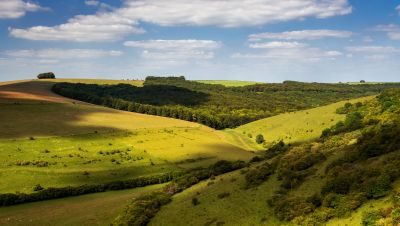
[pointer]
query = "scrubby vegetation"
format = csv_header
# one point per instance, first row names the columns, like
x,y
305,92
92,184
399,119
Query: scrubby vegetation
x,y
216,106
142,209
324,179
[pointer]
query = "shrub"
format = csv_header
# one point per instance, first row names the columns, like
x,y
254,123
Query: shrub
x,y
47,75
195,201
256,177
38,187
260,139
223,195
396,216
370,218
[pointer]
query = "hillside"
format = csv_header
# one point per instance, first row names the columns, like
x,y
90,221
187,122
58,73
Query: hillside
x,y
78,144
293,127
215,106
348,177
54,141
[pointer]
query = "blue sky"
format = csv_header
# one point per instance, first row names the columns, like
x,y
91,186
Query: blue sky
x,y
260,40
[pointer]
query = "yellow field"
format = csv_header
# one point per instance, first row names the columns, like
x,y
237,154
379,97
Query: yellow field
x,y
293,127
38,125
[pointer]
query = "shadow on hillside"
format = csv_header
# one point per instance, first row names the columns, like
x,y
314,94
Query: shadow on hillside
x,y
29,109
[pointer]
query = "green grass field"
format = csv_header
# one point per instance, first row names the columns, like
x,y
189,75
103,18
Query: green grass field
x,y
94,209
229,83
241,207
293,127
53,141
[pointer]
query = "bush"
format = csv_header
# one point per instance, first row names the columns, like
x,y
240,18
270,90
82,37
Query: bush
x,y
256,177
223,195
38,187
48,75
396,216
260,139
370,218
195,201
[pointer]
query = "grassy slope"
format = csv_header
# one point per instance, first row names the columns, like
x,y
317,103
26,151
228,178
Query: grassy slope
x,y
242,207
294,127
66,129
93,209
228,82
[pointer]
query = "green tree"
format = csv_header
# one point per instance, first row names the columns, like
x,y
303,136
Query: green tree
x,y
260,139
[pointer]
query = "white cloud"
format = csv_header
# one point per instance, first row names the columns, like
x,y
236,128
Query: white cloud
x,y
392,30
103,6
373,49
176,49
398,9
113,25
174,44
11,9
96,28
374,52
92,3
298,54
51,54
177,55
276,45
301,35
232,13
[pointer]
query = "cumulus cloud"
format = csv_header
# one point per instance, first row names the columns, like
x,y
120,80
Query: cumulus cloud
x,y
176,49
62,53
92,28
301,35
392,30
232,13
12,9
113,25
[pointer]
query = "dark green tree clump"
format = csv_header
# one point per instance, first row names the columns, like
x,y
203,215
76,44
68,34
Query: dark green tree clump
x,y
47,75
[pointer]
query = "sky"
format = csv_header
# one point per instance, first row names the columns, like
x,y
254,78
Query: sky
x,y
254,40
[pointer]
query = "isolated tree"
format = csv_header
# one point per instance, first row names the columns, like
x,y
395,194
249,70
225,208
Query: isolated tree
x,y
260,139
47,75
362,81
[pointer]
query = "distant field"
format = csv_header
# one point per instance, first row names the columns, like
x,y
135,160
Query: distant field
x,y
293,127
228,82
51,140
94,209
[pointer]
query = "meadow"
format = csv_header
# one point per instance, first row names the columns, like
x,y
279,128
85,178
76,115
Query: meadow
x,y
292,127
54,141
72,143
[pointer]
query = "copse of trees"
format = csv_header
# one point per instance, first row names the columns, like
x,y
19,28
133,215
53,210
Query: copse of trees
x,y
47,75
216,106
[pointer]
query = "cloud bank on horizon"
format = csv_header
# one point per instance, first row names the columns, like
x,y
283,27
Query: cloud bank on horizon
x,y
262,40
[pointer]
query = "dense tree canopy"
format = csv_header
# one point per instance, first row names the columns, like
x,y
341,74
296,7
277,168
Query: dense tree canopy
x,y
216,106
